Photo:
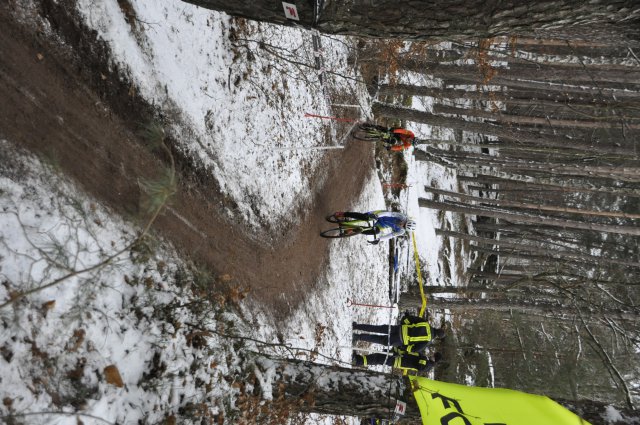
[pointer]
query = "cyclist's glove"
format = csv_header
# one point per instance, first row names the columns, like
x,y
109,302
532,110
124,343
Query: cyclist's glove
x,y
372,216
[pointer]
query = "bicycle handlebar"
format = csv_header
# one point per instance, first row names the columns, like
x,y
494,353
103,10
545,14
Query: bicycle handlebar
x,y
372,223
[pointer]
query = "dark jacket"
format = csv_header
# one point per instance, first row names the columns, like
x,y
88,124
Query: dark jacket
x,y
413,362
415,332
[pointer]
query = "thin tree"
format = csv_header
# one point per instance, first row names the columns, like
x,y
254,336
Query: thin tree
x,y
528,218
538,207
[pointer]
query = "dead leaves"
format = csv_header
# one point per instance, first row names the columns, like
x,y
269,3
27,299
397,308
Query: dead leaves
x,y
236,294
76,340
46,307
112,376
484,64
197,339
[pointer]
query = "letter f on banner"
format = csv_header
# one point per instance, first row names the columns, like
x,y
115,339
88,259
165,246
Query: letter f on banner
x,y
446,400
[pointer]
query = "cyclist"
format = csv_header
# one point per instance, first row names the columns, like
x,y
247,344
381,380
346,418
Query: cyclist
x,y
395,138
387,224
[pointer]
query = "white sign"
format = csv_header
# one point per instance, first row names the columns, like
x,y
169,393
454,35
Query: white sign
x,y
290,11
401,408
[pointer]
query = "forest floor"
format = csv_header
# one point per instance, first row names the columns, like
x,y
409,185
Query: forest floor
x,y
72,111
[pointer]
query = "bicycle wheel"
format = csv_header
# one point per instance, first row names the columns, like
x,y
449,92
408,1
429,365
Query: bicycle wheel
x,y
373,127
339,232
365,135
333,219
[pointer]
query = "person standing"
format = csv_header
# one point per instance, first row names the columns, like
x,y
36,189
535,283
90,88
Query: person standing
x,y
413,334
409,362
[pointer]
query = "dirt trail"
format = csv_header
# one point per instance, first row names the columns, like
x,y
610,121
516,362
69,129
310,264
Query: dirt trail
x,y
82,119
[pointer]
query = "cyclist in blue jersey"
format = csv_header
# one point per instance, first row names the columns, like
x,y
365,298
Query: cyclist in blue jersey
x,y
387,224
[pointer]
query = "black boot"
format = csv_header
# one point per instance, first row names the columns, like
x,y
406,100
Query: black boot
x,y
357,360
358,337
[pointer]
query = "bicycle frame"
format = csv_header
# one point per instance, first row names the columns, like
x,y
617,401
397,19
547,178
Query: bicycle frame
x,y
385,136
348,226
361,224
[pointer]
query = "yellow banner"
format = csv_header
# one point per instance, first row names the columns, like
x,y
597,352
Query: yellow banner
x,y
442,403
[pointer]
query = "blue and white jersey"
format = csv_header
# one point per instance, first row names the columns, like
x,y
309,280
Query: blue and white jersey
x,y
391,224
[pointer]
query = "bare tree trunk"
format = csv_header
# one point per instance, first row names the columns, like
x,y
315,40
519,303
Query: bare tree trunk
x,y
472,74
513,153
509,98
591,411
522,305
547,184
527,218
539,207
554,254
566,47
555,89
355,392
459,304
550,161
617,122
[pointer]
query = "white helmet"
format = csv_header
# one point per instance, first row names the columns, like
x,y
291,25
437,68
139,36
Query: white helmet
x,y
411,225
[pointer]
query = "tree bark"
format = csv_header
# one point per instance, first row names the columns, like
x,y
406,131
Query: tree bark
x,y
550,161
340,391
429,19
337,390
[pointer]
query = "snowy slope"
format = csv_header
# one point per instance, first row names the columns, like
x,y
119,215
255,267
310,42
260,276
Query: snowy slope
x,y
241,109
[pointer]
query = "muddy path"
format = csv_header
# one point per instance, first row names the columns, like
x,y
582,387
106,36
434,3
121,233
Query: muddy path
x,y
68,106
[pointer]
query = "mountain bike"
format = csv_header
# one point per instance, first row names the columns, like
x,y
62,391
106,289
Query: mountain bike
x,y
349,227
373,133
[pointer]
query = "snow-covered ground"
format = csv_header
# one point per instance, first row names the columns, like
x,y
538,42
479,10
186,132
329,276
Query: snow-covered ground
x,y
237,105
102,306
232,103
